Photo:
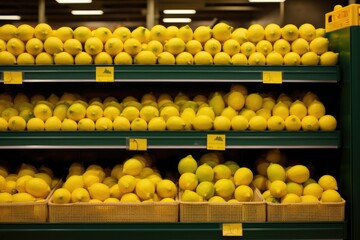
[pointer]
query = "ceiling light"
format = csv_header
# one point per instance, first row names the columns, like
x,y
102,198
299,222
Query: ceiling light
x,y
176,20
179,11
266,1
74,1
87,12
10,17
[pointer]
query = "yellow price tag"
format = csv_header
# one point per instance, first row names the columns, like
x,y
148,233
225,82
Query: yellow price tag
x,y
216,142
105,74
232,229
272,77
138,144
13,77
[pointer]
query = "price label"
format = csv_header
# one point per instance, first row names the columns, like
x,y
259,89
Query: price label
x,y
105,74
232,229
272,77
216,142
13,77
137,144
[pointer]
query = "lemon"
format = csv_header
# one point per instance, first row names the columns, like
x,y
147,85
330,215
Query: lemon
x,y
115,191
257,58
188,115
185,33
307,31
145,189
222,123
184,58
239,123
239,34
93,46
193,46
175,46
130,197
276,123
15,46
309,97
188,181
231,47
157,124
292,123
6,197
42,31
273,156
44,58
255,33
127,183
221,171
327,123
90,178
313,189
298,109
83,58
103,58
123,58
272,32
202,122
16,123
7,58
292,58
224,188
85,124
80,194
328,182
113,46
130,113
53,45
64,33
104,124
111,112
298,173
141,34
257,123
260,182
10,187
329,58
23,197
155,46
222,58
202,33
37,187
82,33
239,59
166,58
290,198
76,111
3,45
187,164
211,158
295,188
123,33
243,176
61,196
9,112
102,33
203,58
319,45
53,123
222,31
309,199
253,101
264,47
212,46
243,193
274,58
99,191
331,195
25,58
167,111
63,58
310,58
158,32
247,48
94,112
276,172
73,46
7,31
290,32
111,200
278,189
171,31
320,32
205,173
191,196
264,112
132,166
175,123
68,125
282,46
300,46
3,124
247,113
166,189
316,109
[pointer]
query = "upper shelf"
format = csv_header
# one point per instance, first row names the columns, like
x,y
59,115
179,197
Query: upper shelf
x,y
173,73
168,139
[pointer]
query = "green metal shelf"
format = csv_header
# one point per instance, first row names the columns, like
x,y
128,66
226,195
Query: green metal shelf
x,y
199,231
174,73
169,139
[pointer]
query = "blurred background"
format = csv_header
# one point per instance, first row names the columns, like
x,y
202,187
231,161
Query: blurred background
x,y
133,13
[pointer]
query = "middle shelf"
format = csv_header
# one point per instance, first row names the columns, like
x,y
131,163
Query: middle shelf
x,y
169,139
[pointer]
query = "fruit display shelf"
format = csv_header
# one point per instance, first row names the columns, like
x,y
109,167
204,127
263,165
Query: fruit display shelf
x,y
174,73
168,139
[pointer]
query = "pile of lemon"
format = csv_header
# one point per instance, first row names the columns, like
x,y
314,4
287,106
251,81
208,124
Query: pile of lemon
x,y
292,184
134,180
236,109
213,179
28,184
221,44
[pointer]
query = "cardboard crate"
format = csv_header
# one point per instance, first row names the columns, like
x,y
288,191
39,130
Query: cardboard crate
x,y
305,212
254,211
114,212
343,17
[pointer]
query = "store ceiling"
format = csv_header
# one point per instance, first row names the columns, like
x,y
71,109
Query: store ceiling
x,y
133,12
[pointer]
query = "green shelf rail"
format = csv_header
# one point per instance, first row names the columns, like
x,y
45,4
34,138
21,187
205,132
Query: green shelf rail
x,y
173,73
169,139
174,231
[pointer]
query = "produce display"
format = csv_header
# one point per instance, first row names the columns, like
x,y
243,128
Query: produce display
x,y
236,109
134,180
282,183
221,44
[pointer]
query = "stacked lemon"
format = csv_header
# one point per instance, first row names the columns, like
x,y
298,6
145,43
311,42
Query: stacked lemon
x,y
236,109
212,179
28,184
134,180
292,184
222,44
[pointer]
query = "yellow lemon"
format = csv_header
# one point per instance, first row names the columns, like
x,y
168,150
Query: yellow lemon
x,y
331,195
317,109
300,46
247,48
272,32
63,58
145,57
313,189
244,193
53,45
99,191
307,31
166,58
203,58
145,189
212,46
276,172
15,46
253,101
298,109
298,173
239,59
239,123
185,33
276,123
264,47
184,58
103,33
82,33
166,189
64,33
16,123
329,58
158,32
25,58
222,123
290,32
328,182
278,188
141,34
7,31
61,196
43,31
80,195
282,46
290,198
243,176
292,123
256,58
7,58
224,188
34,46
37,187
319,45
175,46
274,58
327,122
23,197
292,58
309,198
231,47
93,46
73,46
310,58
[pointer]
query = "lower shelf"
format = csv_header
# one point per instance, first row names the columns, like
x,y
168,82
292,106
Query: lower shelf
x,y
149,231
